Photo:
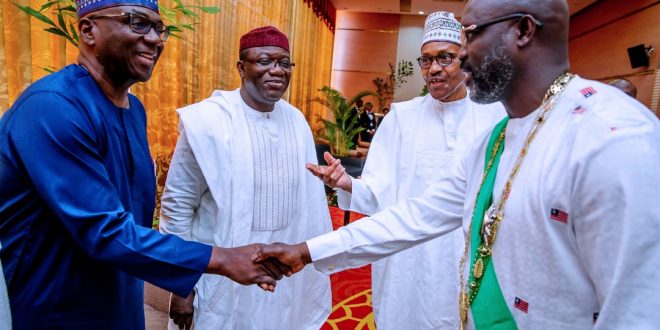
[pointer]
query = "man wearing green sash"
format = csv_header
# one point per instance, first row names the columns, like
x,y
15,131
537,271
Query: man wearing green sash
x,y
559,203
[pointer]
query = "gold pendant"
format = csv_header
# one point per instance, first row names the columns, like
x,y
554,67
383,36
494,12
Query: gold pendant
x,y
478,270
484,251
463,307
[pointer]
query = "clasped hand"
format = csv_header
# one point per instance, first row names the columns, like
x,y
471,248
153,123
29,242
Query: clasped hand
x,y
244,264
251,264
240,265
293,256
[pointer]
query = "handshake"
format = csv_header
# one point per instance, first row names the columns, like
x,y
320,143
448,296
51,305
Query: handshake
x,y
261,264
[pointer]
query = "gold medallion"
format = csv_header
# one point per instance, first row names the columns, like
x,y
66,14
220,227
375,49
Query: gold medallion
x,y
484,251
463,307
478,270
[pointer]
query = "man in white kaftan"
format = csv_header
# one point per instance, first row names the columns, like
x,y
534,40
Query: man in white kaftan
x,y
237,176
420,139
577,246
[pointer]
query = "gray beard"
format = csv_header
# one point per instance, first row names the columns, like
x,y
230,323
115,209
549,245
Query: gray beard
x,y
492,77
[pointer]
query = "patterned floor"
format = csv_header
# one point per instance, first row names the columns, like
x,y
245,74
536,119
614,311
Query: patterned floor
x,y
351,292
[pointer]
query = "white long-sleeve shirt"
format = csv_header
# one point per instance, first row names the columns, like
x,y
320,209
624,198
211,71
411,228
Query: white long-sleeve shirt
x,y
596,159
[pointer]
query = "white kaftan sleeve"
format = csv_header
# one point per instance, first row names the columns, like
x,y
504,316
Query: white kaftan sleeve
x,y
616,226
183,190
437,211
379,182
361,200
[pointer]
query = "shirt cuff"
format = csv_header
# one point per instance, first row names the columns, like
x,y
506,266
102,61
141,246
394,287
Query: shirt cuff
x,y
327,252
344,199
361,199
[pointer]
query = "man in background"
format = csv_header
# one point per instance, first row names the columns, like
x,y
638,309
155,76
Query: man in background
x,y
418,141
78,187
238,177
368,122
625,86
355,116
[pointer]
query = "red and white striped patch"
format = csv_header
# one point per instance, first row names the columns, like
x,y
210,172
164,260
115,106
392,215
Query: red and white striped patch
x,y
521,305
579,110
559,215
586,92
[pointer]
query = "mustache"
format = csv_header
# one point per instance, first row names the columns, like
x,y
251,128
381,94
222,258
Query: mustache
x,y
437,78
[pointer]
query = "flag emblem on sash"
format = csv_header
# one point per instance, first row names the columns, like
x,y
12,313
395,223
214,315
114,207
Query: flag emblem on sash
x,y
586,92
521,305
559,215
579,110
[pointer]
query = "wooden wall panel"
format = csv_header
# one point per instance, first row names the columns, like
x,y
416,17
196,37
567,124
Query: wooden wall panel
x,y
353,82
604,12
600,36
365,44
367,21
364,50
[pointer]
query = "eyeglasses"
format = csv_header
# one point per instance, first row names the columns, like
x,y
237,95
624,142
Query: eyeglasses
x,y
140,24
443,60
476,28
267,63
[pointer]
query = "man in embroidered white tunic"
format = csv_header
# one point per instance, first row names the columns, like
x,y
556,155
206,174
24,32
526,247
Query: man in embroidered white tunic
x,y
421,138
238,176
571,223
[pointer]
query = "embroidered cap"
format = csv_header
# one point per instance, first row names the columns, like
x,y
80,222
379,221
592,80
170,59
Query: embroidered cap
x,y
442,26
85,7
264,36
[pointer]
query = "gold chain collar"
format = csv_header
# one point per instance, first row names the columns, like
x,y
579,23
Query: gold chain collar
x,y
495,212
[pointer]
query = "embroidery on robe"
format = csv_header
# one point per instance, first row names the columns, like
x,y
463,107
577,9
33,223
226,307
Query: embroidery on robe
x,y
276,176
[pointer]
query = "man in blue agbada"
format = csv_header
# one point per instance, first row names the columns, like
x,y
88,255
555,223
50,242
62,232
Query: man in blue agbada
x,y
78,187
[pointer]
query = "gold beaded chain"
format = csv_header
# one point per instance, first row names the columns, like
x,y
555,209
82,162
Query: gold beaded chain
x,y
495,212
464,300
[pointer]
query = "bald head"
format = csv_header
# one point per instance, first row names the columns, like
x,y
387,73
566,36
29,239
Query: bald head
x,y
514,47
626,86
553,14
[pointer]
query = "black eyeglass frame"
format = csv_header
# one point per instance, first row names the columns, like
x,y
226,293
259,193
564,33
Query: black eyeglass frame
x,y
437,60
476,28
272,63
161,29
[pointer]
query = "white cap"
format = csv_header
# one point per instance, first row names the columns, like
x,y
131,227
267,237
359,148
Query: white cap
x,y
442,26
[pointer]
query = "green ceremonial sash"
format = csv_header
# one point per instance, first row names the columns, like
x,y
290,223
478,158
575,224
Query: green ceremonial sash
x,y
489,309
